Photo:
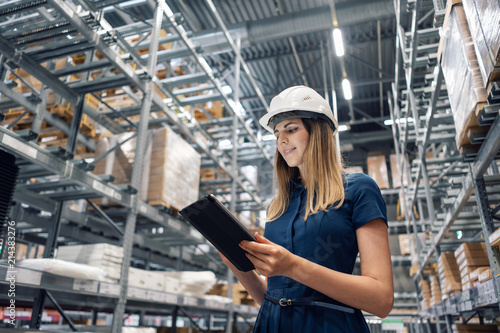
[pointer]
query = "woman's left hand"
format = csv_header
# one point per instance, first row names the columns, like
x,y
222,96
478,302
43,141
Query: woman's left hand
x,y
268,258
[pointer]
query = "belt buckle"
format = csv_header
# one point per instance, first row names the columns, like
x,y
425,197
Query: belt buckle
x,y
285,302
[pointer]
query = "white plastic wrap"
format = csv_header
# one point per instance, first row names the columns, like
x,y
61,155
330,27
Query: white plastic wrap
x,y
120,162
175,171
459,66
63,268
192,282
483,17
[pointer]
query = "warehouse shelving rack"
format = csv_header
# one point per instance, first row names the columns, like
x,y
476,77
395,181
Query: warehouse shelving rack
x,y
67,178
458,181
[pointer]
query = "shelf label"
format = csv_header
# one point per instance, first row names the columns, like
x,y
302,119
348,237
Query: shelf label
x,y
109,289
168,298
85,285
20,146
190,301
118,196
155,296
97,185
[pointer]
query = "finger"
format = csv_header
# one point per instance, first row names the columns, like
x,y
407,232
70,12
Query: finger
x,y
261,239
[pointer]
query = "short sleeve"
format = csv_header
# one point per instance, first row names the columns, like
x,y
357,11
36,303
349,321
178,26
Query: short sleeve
x,y
368,203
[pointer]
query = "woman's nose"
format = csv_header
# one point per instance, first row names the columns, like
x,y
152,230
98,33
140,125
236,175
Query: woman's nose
x,y
283,139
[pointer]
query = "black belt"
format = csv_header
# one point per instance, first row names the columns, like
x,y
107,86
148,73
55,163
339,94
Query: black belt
x,y
311,301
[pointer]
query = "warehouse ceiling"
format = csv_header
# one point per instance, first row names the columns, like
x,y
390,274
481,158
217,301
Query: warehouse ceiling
x,y
283,43
289,42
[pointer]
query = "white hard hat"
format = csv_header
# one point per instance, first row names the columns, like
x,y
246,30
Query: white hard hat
x,y
304,102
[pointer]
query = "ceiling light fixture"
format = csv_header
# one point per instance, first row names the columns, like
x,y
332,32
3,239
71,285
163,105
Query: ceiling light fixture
x,y
337,41
346,86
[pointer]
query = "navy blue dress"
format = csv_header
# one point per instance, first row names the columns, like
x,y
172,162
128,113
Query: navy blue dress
x,y
329,239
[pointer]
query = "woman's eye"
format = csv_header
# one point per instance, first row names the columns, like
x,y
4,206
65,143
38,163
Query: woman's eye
x,y
291,130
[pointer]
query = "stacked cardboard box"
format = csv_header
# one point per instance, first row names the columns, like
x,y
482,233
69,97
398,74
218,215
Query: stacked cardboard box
x,y
474,276
425,290
119,163
171,171
240,295
107,257
377,169
461,72
470,256
435,290
396,174
449,274
174,177
404,242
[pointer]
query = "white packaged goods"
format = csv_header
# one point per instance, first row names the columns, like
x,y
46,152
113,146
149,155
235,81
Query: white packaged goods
x,y
194,283
126,329
63,268
171,284
141,278
105,256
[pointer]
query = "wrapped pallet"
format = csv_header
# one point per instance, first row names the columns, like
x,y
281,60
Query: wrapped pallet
x,y
483,18
461,73
175,171
119,163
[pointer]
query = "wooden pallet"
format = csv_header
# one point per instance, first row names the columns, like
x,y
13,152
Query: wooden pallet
x,y
161,204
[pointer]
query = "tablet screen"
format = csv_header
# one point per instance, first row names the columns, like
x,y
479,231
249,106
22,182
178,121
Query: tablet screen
x,y
216,223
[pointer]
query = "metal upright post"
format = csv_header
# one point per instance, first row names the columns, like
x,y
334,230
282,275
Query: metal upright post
x,y
50,245
234,166
488,228
128,239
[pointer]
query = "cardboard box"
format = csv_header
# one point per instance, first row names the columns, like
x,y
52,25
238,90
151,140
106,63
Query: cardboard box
x,y
494,238
470,247
485,275
396,174
475,254
377,169
175,171
474,276
474,262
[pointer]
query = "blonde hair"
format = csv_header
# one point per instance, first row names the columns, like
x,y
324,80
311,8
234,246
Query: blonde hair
x,y
323,168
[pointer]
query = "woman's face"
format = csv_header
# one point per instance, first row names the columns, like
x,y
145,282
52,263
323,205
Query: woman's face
x,y
292,138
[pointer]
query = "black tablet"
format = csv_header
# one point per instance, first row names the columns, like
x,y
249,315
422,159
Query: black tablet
x,y
221,228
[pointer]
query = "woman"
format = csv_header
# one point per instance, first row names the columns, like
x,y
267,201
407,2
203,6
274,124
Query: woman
x,y
319,220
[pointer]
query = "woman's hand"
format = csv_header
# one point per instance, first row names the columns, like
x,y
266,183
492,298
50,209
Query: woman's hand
x,y
268,258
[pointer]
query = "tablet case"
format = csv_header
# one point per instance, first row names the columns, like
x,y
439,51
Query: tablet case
x,y
214,221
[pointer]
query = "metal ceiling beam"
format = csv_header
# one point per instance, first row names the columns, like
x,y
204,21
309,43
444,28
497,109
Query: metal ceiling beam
x,y
294,24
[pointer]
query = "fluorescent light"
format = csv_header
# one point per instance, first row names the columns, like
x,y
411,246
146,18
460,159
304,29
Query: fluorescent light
x,y
225,143
343,128
337,41
239,109
227,90
346,86
389,122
